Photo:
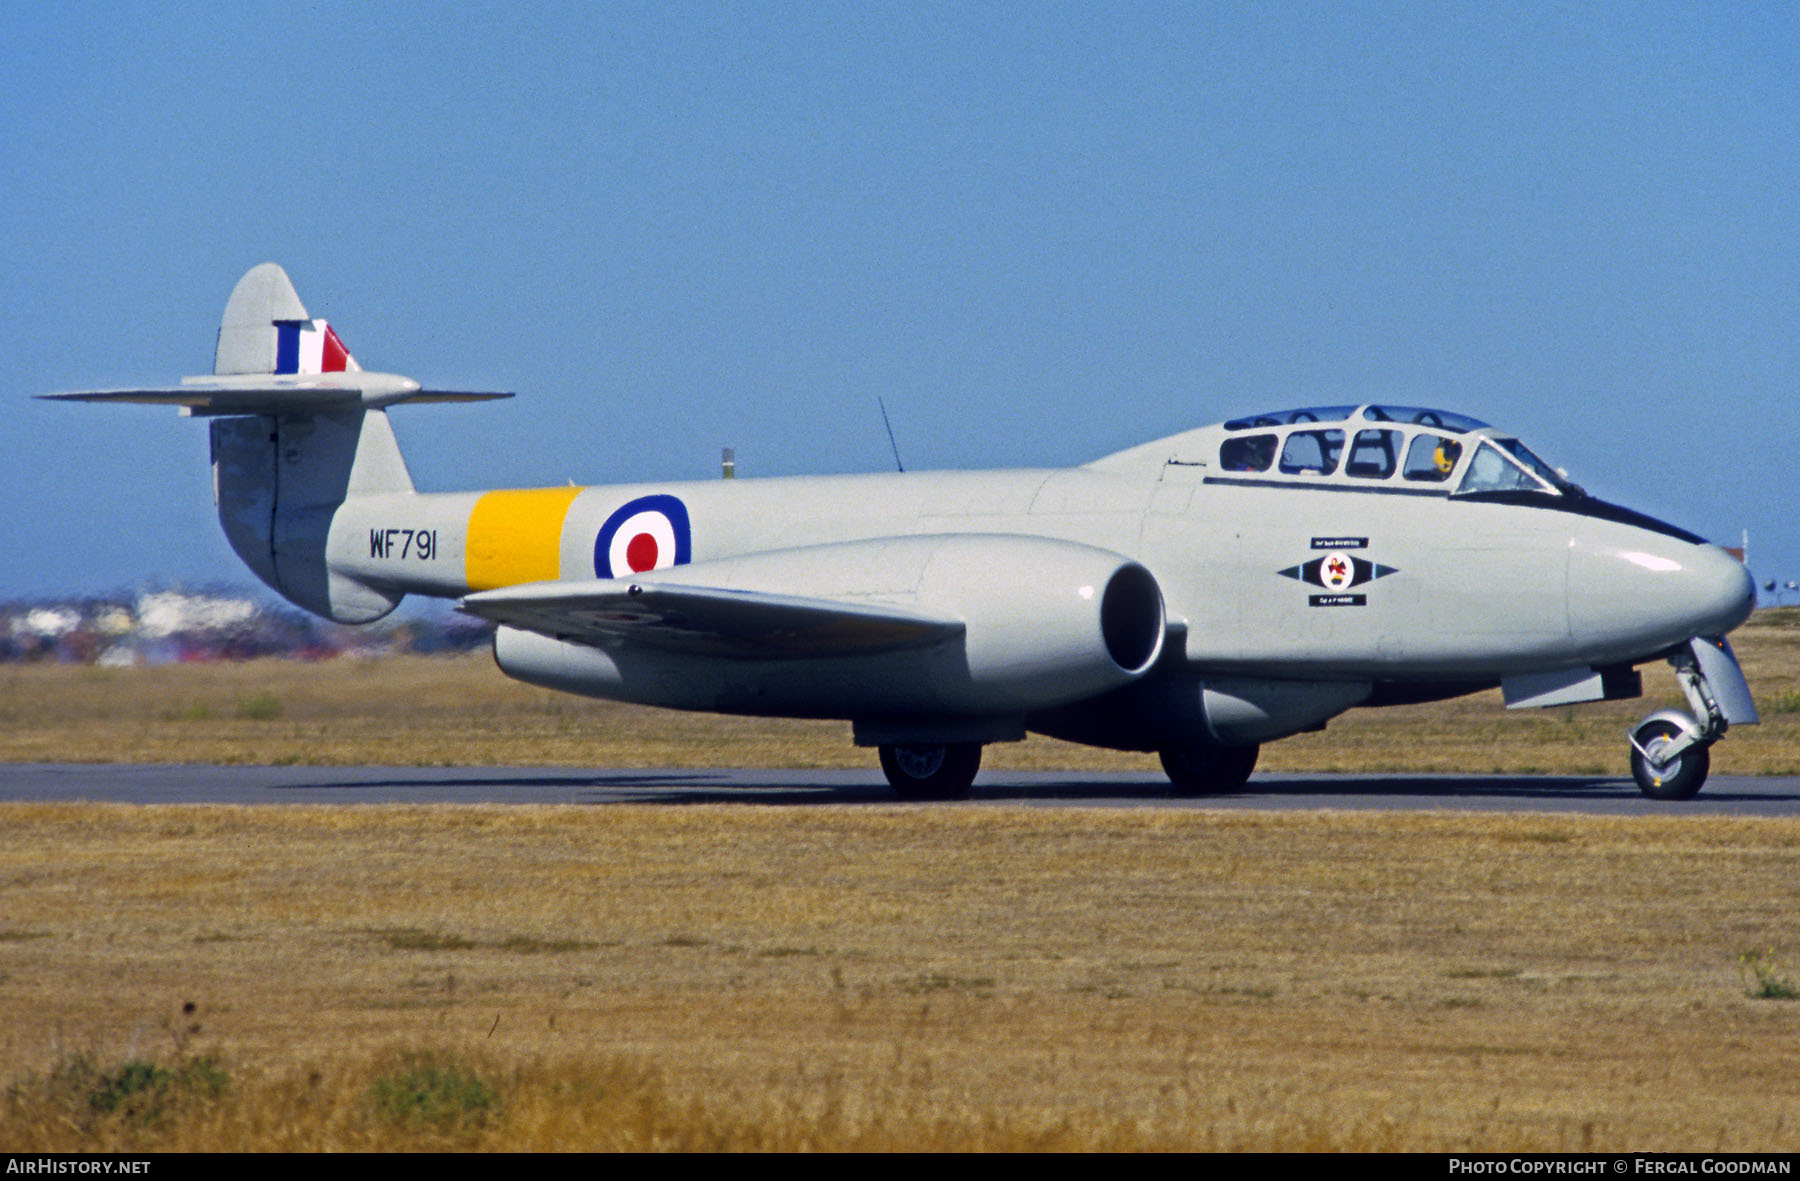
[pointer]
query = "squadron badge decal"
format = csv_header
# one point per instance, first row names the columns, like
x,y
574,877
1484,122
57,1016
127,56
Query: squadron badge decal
x,y
1337,573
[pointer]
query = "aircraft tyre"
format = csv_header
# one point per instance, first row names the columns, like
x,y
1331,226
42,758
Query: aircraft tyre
x,y
1681,777
931,771
1208,770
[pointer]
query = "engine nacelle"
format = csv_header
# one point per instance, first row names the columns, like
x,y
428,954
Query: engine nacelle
x,y
1045,623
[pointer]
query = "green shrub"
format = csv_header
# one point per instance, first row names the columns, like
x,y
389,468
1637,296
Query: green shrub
x,y
258,707
442,1096
1763,982
143,1092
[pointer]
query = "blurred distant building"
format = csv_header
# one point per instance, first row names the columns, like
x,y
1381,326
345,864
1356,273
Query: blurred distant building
x,y
167,626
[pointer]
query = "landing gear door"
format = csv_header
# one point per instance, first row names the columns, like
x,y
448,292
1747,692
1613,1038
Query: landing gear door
x,y
1719,666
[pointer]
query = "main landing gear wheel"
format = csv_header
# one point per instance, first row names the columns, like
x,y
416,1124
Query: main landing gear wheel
x,y
931,771
1208,770
1662,776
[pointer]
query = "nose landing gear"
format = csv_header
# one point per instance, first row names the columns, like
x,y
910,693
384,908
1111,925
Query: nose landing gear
x,y
1671,750
1669,756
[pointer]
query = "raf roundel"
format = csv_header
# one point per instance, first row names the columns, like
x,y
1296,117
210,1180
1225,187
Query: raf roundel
x,y
649,533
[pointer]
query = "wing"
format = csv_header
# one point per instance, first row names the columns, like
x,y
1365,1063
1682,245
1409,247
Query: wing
x,y
709,620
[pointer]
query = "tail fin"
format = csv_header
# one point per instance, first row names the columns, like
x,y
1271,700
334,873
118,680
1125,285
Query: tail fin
x,y
273,358
300,428
266,330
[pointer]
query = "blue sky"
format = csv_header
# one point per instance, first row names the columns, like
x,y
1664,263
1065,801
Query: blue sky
x,y
1039,232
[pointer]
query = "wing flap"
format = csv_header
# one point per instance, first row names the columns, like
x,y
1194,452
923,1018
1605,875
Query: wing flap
x,y
709,620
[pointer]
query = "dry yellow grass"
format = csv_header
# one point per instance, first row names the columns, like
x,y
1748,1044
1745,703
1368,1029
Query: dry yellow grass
x,y
744,977
463,711
748,977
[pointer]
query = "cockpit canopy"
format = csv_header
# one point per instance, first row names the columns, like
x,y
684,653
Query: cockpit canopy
x,y
1410,445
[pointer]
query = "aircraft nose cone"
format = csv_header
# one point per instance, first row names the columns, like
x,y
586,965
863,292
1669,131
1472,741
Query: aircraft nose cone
x,y
1729,590
1643,591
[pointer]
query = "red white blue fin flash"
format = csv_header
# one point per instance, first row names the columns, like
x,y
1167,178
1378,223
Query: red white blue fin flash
x,y
310,346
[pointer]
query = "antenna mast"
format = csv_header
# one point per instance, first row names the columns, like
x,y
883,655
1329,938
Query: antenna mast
x,y
898,466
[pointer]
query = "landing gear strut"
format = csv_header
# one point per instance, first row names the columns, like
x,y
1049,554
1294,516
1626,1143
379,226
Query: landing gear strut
x,y
1671,750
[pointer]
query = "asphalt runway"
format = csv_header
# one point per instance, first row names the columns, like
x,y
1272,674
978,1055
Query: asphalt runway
x,y
196,784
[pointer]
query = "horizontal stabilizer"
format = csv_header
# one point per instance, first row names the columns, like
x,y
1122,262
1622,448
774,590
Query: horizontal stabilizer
x,y
708,620
316,394
274,359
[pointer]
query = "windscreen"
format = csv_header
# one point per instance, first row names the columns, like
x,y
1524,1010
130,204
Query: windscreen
x,y
1498,467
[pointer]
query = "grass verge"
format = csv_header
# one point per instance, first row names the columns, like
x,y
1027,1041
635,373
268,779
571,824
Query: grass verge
x,y
789,977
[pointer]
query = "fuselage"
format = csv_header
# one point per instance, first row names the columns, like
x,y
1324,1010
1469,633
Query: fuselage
x,y
1266,578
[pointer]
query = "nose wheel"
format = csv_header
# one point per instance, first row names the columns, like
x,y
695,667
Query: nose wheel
x,y
1666,762
1671,751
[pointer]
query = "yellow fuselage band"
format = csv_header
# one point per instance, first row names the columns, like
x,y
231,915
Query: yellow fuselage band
x,y
516,536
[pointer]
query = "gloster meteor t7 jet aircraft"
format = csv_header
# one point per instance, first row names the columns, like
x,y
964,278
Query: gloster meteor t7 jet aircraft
x,y
1195,596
